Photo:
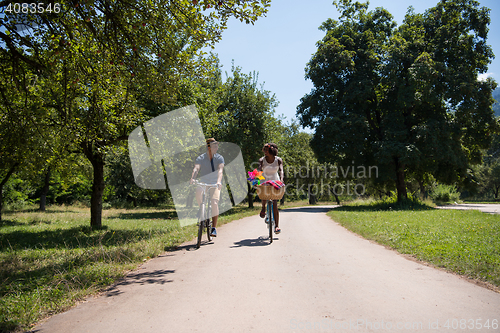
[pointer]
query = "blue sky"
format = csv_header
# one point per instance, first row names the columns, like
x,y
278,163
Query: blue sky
x,y
279,45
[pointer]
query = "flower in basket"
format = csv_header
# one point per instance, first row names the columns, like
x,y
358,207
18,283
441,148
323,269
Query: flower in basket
x,y
255,177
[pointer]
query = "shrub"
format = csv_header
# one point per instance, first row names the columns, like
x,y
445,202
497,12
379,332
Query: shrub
x,y
445,194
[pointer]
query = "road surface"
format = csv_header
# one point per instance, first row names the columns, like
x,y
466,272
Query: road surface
x,y
485,208
315,277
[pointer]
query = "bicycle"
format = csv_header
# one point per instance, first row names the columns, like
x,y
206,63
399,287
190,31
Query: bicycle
x,y
204,218
269,193
270,219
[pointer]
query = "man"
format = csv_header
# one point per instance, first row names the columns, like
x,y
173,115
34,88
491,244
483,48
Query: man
x,y
210,165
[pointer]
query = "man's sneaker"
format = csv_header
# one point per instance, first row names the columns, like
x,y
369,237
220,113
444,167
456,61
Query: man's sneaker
x,y
213,233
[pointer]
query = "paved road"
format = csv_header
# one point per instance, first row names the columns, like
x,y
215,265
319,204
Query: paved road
x,y
486,208
315,277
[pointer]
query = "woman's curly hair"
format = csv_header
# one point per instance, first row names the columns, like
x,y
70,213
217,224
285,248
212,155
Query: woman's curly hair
x,y
273,148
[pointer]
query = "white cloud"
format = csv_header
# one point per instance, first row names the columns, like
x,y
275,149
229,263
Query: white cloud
x,y
483,77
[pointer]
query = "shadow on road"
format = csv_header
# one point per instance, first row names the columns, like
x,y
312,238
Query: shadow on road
x,y
308,209
154,277
261,241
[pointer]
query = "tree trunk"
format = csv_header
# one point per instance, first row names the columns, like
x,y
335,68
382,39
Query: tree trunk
x,y
96,158
97,193
336,197
312,198
400,180
45,191
1,201
2,183
422,189
250,196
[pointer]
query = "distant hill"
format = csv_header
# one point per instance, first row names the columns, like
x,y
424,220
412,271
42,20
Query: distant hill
x,y
496,106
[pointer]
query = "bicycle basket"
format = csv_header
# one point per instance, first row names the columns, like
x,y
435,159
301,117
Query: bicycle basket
x,y
269,192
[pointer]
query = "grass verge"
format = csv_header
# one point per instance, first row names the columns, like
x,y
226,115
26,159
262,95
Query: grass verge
x,y
50,261
465,242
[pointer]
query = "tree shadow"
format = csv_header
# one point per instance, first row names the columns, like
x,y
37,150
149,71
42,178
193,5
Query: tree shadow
x,y
404,205
261,241
141,278
46,211
166,215
77,237
310,209
10,223
187,247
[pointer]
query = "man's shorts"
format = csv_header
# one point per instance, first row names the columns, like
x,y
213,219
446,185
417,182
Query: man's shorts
x,y
214,192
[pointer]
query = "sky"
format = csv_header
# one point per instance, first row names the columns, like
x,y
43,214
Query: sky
x,y
279,45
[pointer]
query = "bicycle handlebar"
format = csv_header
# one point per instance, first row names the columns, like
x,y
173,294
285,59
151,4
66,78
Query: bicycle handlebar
x,y
196,182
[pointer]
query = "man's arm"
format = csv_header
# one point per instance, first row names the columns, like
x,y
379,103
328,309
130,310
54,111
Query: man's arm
x,y
219,175
196,169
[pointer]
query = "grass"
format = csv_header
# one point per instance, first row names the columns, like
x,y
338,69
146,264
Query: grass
x,y
465,242
50,261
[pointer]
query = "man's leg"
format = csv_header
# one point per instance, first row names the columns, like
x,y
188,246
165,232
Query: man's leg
x,y
199,195
215,195
215,212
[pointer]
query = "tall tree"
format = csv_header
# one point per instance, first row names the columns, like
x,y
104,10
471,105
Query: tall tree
x,y
97,55
20,125
404,98
246,114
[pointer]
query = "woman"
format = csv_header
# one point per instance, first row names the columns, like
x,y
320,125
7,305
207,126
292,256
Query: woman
x,y
272,169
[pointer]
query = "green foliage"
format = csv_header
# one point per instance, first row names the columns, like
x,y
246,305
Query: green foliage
x,y
487,175
405,98
388,203
496,106
16,193
121,190
82,72
245,115
443,194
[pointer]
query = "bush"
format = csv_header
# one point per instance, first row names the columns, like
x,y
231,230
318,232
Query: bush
x,y
445,194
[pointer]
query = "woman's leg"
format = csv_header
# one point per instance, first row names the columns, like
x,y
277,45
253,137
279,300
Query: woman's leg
x,y
276,214
263,211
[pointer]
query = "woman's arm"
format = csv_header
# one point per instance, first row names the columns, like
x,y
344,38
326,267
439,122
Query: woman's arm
x,y
280,169
261,164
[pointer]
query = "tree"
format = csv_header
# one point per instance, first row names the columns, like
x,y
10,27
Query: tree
x,y
404,98
20,128
246,112
97,55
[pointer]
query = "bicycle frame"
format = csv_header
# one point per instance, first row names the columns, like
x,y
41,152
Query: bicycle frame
x,y
270,219
204,213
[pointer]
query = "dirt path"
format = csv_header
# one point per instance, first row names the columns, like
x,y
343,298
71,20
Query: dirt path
x,y
315,277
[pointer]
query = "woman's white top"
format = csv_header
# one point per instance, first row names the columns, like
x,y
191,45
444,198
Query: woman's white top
x,y
270,170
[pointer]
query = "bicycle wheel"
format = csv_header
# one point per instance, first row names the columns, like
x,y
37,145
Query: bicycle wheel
x,y
201,224
209,229
271,219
